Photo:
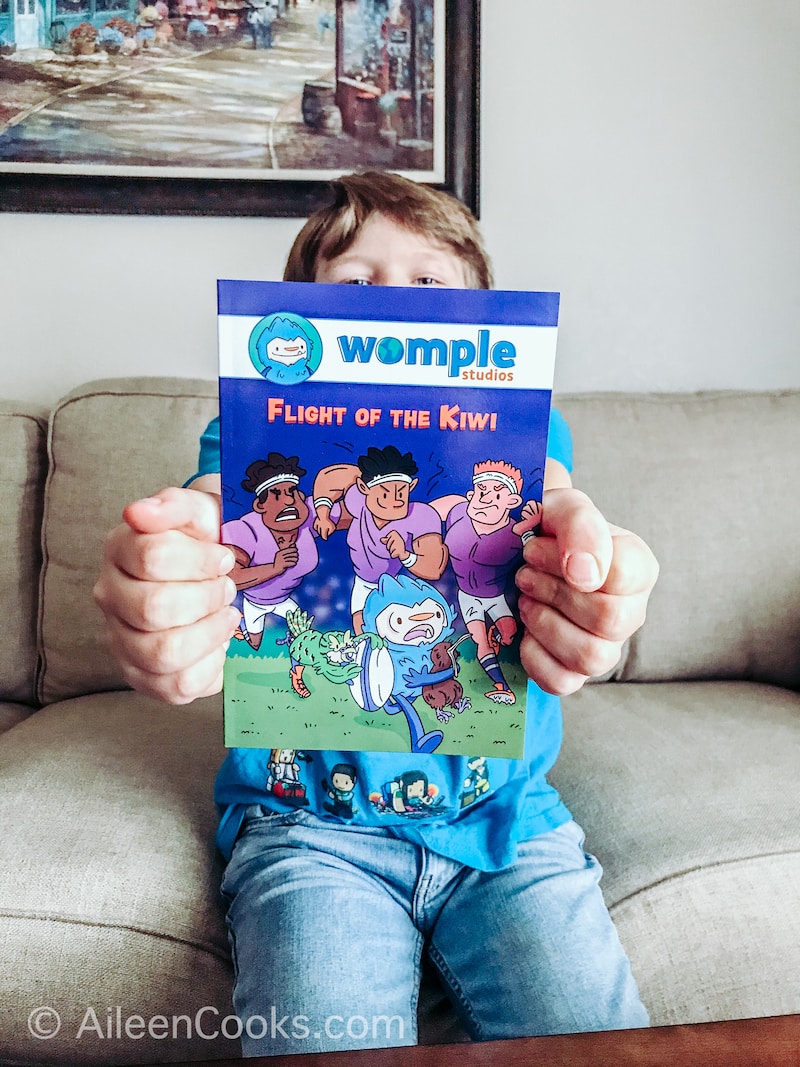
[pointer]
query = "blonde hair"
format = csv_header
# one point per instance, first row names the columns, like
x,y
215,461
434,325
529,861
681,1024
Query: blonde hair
x,y
419,208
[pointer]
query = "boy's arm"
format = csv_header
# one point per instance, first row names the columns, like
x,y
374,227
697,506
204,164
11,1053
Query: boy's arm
x,y
584,588
165,593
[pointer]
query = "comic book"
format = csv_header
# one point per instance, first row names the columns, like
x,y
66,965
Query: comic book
x,y
383,457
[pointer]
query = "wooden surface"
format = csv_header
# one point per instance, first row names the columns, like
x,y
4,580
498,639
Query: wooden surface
x,y
773,1042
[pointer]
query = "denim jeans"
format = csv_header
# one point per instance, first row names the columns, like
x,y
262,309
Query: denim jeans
x,y
328,926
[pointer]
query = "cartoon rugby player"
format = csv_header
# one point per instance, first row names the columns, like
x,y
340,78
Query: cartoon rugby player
x,y
485,547
274,544
388,531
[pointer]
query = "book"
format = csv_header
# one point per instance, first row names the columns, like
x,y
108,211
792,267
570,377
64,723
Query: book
x,y
382,456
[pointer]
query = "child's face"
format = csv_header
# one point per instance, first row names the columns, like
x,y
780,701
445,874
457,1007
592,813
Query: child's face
x,y
384,253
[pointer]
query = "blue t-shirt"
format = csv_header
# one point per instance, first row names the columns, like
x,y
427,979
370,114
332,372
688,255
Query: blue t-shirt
x,y
473,810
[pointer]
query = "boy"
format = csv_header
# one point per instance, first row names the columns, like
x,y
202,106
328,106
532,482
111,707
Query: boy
x,y
329,916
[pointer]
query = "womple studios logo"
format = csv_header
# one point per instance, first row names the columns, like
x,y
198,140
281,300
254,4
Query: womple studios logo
x,y
285,348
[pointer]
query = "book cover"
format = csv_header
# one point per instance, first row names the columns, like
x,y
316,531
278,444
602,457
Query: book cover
x,y
383,456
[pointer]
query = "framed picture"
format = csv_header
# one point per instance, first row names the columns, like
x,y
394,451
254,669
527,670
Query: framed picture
x,y
231,107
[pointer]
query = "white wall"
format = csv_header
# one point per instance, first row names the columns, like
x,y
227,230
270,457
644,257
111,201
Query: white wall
x,y
642,157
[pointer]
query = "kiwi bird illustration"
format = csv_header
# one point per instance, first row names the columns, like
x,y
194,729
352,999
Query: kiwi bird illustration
x,y
448,693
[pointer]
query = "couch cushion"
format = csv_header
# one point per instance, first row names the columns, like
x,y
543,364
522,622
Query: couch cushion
x,y
687,793
108,877
11,714
22,472
709,481
110,442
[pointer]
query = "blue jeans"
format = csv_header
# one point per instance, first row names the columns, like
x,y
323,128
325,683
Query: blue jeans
x,y
328,926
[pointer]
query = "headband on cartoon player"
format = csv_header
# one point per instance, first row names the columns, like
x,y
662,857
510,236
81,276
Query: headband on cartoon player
x,y
378,479
259,489
496,476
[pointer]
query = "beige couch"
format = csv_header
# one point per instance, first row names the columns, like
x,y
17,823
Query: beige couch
x,y
683,768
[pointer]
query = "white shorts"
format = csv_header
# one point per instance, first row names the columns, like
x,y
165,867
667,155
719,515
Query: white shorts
x,y
255,615
361,591
479,608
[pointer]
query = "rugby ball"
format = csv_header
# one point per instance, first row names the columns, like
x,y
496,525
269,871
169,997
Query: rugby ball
x,y
372,687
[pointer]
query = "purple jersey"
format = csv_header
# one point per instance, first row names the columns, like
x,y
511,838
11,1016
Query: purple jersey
x,y
482,562
251,535
369,556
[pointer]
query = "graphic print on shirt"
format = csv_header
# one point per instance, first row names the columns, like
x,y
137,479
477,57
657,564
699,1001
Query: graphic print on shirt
x,y
283,778
399,502
410,795
340,791
476,783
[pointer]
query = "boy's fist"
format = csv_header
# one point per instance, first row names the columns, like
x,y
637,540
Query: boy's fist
x,y
584,588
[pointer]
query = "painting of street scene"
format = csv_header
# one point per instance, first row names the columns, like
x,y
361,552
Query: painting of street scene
x,y
228,88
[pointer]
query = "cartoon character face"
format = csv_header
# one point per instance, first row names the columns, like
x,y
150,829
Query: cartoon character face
x,y
342,649
283,508
490,502
283,755
417,790
285,348
287,352
420,624
388,500
343,782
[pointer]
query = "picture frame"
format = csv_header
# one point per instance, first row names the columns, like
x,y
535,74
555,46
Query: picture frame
x,y
441,115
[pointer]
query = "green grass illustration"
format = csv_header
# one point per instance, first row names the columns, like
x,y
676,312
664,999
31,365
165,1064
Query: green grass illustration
x,y
263,711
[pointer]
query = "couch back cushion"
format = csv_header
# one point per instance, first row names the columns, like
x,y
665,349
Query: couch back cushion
x,y
23,462
706,479
710,481
110,442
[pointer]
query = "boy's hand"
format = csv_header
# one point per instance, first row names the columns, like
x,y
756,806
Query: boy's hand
x,y
165,595
584,588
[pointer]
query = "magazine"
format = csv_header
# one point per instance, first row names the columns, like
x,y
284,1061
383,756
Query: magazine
x,y
383,457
